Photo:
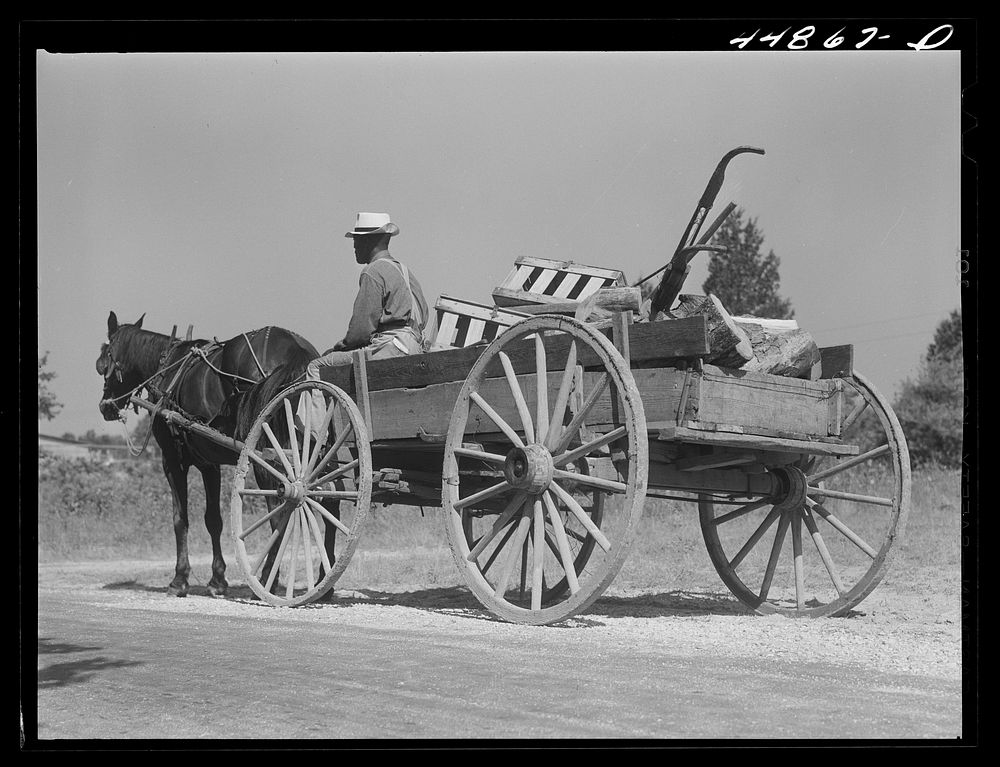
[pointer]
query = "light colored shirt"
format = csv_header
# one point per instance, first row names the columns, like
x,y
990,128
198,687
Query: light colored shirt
x,y
383,303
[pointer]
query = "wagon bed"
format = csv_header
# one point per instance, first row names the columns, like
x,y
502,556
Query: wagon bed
x,y
466,429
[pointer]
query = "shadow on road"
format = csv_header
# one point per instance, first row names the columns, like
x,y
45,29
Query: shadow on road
x,y
459,600
75,671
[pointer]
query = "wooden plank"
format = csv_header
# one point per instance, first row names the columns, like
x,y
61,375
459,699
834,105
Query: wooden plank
x,y
714,460
405,413
665,477
649,343
361,385
572,266
837,361
728,439
749,399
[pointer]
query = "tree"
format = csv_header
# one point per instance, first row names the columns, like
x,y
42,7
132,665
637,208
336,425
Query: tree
x,y
48,405
745,280
931,407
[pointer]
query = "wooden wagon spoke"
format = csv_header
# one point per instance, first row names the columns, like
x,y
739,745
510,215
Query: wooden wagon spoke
x,y
292,557
266,466
513,552
278,449
307,423
256,492
538,547
541,390
318,537
506,515
741,511
306,546
824,553
524,566
581,515
279,509
756,536
492,414
562,398
292,440
285,536
854,415
848,463
340,471
600,483
870,499
797,564
844,530
500,547
565,554
275,534
328,516
518,396
480,455
772,561
334,449
585,450
336,495
482,495
578,420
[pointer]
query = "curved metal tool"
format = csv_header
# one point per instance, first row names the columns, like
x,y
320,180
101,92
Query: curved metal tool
x,y
677,269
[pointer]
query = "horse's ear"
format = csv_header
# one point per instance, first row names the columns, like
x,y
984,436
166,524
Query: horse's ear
x,y
138,323
112,324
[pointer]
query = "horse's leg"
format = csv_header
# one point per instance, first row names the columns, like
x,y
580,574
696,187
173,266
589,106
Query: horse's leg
x,y
176,473
211,476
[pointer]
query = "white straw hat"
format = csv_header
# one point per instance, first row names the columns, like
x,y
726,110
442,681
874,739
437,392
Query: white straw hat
x,y
373,223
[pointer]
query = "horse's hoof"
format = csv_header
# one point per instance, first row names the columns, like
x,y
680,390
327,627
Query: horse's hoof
x,y
217,589
177,590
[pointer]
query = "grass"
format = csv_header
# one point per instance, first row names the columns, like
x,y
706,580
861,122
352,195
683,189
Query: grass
x,y
88,511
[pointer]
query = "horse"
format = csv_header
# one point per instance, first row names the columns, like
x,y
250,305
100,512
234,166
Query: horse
x,y
224,385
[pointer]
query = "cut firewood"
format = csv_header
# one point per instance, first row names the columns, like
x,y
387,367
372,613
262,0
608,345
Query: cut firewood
x,y
781,352
730,345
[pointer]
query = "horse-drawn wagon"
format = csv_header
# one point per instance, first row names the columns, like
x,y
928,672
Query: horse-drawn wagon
x,y
542,441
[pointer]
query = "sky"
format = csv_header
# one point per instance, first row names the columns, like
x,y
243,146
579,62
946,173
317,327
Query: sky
x,y
214,190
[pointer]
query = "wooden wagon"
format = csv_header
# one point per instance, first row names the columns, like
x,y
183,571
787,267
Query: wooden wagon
x,y
542,447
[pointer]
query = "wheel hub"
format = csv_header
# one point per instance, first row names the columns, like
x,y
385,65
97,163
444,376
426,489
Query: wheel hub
x,y
792,486
292,491
529,469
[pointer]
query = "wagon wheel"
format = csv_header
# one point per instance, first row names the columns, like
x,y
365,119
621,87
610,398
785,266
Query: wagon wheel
x,y
822,543
545,531
296,528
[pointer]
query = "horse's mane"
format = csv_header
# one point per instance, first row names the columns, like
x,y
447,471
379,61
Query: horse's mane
x,y
144,346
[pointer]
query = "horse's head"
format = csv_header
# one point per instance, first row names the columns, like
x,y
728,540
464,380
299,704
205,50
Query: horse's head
x,y
113,363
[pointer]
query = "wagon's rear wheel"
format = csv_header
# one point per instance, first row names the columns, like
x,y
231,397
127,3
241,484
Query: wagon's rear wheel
x,y
544,470
823,542
296,527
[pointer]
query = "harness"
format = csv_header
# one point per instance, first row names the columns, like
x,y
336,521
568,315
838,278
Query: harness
x,y
165,395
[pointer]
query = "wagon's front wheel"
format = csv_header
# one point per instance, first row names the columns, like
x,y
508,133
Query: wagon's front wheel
x,y
545,469
822,543
296,526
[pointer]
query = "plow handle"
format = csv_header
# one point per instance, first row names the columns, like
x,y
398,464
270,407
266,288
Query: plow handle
x,y
669,288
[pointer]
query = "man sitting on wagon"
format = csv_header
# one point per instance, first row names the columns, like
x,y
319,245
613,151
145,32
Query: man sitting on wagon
x,y
390,312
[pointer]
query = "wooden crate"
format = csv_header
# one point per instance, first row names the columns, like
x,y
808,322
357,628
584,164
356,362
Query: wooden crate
x,y
463,323
543,280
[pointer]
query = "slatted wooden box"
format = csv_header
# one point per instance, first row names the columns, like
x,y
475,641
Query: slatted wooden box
x,y
463,323
546,281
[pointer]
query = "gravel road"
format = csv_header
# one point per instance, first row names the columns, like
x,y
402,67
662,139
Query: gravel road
x,y
120,659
